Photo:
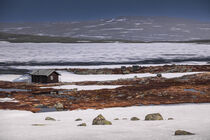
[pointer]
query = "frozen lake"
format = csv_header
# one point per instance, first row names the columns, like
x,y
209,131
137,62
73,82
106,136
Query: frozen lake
x,y
100,53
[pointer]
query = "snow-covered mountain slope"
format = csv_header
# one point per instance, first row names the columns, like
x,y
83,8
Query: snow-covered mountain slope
x,y
124,28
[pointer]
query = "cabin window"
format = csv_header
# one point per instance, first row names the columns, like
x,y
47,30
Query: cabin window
x,y
51,78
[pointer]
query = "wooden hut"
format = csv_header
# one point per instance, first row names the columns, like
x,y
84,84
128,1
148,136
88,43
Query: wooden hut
x,y
44,76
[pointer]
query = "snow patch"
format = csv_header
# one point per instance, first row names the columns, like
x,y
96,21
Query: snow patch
x,y
70,77
206,29
110,29
17,125
8,77
87,87
175,29
2,100
135,29
157,26
24,78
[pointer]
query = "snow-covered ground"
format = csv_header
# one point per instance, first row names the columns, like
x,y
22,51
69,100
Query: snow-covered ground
x,y
87,87
8,77
70,77
8,100
17,125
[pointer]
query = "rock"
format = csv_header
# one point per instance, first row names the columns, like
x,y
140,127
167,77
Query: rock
x,y
50,119
78,119
134,119
159,75
82,124
126,72
135,68
154,116
38,124
124,118
100,120
182,132
116,119
59,106
123,68
170,118
39,106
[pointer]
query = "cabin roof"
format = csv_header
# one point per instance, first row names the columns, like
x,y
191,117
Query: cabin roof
x,y
44,72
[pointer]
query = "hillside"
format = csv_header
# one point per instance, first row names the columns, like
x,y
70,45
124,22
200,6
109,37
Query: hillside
x,y
138,29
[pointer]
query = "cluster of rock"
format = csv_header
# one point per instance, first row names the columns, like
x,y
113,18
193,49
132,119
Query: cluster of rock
x,y
143,69
133,69
100,120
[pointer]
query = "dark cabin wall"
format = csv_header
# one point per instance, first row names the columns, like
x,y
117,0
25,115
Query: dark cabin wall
x,y
55,78
39,79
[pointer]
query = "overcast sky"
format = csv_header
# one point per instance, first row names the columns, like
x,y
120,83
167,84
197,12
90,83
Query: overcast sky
x,y
71,10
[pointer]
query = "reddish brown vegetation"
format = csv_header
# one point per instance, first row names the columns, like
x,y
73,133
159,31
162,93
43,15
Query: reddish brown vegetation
x,y
138,91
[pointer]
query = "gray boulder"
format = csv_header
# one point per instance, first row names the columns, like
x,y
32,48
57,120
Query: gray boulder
x,y
154,116
135,68
134,119
100,120
126,72
182,132
50,119
170,118
123,68
78,119
82,124
59,106
159,75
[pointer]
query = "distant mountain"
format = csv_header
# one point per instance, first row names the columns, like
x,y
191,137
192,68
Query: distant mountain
x,y
121,28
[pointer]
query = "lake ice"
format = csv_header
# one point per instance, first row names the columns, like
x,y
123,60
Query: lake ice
x,y
101,53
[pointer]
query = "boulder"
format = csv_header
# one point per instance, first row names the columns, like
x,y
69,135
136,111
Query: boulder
x,y
100,120
135,68
134,119
116,119
123,68
82,124
78,119
126,72
170,118
182,132
59,106
38,124
39,106
50,119
154,116
159,75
